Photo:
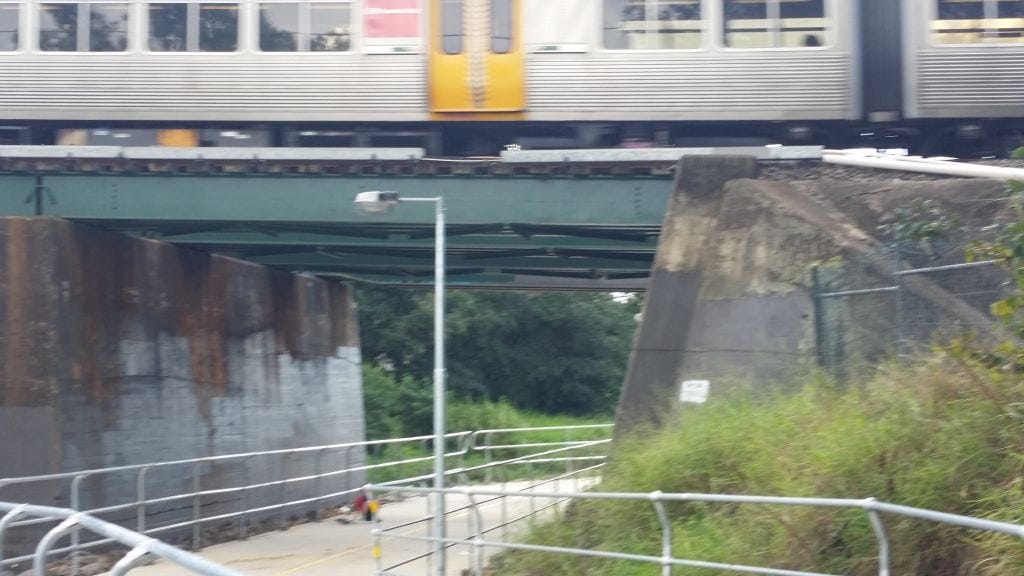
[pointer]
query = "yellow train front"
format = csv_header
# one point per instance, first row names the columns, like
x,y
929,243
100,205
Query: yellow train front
x,y
469,76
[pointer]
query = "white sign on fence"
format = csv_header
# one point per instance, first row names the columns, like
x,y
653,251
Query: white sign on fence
x,y
694,391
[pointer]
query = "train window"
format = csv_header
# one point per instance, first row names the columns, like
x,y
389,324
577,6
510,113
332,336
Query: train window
x,y
108,27
218,27
978,21
168,27
193,26
451,26
329,26
501,26
652,24
9,15
749,24
305,26
58,27
1011,8
279,27
83,27
774,23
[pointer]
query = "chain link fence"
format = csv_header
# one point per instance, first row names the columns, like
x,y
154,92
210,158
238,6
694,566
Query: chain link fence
x,y
901,300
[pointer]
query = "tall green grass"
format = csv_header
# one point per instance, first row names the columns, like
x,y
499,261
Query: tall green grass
x,y
942,435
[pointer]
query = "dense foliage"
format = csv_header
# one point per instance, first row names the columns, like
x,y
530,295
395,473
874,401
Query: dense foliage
x,y
944,435
555,353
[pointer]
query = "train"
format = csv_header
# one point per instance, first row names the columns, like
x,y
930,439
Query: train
x,y
473,77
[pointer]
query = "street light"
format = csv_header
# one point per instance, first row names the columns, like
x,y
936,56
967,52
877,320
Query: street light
x,y
383,203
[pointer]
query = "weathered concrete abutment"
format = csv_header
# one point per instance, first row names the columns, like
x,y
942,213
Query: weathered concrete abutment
x,y
117,350
729,297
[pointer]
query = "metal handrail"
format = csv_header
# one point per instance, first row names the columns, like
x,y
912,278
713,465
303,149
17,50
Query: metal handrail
x,y
140,545
872,507
144,503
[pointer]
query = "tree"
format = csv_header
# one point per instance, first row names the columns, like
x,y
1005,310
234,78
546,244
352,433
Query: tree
x,y
556,352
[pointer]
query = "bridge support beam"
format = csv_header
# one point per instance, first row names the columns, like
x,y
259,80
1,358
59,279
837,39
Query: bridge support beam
x,y
669,318
730,298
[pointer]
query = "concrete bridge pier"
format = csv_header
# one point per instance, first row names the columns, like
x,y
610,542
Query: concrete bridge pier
x,y
730,298
117,350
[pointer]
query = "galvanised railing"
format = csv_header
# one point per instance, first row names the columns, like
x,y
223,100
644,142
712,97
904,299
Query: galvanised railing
x,y
568,452
477,542
327,485
140,547
578,455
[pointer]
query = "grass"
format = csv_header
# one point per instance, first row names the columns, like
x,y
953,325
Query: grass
x,y
942,435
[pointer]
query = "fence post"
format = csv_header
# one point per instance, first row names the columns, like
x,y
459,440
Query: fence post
x,y
487,458
283,518
140,500
478,535
901,338
319,485
243,518
666,533
376,531
883,539
819,318
197,507
76,505
6,521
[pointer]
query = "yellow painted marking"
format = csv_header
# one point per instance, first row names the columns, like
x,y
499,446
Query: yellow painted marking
x,y
320,561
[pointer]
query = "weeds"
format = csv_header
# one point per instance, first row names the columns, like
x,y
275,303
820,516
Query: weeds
x,y
944,435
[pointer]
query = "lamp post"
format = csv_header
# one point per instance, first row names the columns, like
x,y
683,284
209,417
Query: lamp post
x,y
383,203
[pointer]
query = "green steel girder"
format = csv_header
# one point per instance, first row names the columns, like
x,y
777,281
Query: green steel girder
x,y
331,263
499,228
608,201
358,239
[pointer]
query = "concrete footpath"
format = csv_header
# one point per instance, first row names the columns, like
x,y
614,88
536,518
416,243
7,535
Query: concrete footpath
x,y
331,548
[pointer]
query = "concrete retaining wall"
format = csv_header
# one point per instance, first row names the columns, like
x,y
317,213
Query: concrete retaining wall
x,y
116,350
729,298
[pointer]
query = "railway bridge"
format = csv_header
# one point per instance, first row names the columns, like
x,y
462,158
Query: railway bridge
x,y
554,220
187,303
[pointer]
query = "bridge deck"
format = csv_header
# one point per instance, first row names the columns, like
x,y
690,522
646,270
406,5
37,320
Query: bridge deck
x,y
548,219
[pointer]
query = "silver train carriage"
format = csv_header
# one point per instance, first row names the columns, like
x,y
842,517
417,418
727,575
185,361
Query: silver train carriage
x,y
468,76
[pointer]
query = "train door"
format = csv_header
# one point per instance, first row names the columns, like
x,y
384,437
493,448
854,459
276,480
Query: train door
x,y
476,58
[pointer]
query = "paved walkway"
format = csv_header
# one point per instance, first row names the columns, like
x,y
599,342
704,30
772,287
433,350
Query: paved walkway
x,y
332,548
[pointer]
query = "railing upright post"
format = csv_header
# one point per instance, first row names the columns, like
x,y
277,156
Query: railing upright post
x,y
319,484
430,529
568,442
6,521
466,446
820,342
378,554
243,517
51,538
197,507
76,505
478,536
347,467
140,500
504,514
284,492
487,458
901,337
666,533
880,534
